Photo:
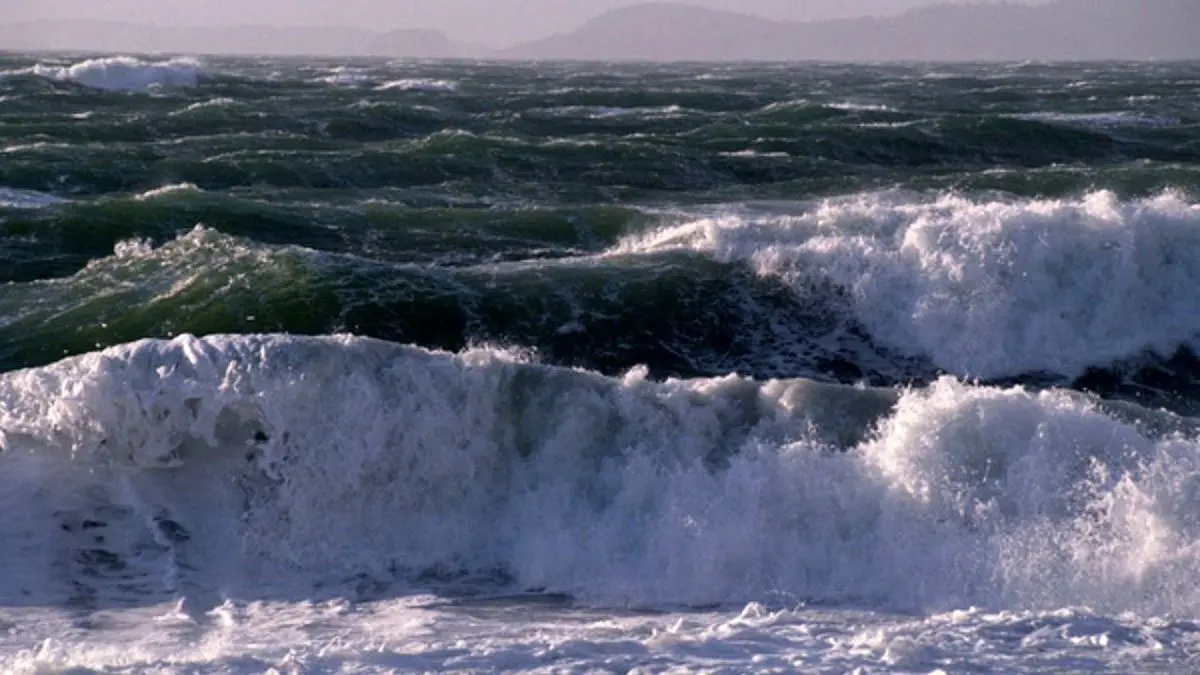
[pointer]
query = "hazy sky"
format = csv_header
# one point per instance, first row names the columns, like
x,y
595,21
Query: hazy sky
x,y
494,23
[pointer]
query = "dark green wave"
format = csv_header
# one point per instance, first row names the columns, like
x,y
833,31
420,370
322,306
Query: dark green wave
x,y
58,241
476,212
683,314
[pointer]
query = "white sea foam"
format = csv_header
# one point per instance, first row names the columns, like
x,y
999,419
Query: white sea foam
x,y
852,106
11,198
259,501
128,249
844,106
174,188
659,111
751,154
983,288
219,102
282,461
787,105
425,634
1107,120
346,77
126,73
609,112
31,147
418,84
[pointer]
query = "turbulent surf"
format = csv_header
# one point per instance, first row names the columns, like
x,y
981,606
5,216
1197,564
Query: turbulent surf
x,y
358,366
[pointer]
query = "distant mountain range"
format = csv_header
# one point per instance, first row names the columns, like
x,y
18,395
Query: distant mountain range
x,y
1059,30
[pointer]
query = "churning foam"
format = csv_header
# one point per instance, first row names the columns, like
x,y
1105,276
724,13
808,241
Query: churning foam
x,y
126,73
418,84
983,288
255,465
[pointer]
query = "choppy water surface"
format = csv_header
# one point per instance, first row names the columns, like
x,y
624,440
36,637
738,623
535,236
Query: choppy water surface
x,y
720,368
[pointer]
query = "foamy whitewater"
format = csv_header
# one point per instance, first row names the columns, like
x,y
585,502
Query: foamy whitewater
x,y
356,366
984,288
204,482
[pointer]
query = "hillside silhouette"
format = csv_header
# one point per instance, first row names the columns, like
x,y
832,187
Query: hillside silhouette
x,y
668,31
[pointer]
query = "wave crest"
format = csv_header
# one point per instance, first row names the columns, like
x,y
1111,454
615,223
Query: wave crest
x,y
984,288
126,73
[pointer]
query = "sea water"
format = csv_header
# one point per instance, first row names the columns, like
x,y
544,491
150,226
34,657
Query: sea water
x,y
369,366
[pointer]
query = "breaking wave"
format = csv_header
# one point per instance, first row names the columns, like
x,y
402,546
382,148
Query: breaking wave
x,y
126,73
983,288
262,465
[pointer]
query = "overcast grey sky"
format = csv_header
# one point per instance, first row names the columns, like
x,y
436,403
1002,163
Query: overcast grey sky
x,y
495,23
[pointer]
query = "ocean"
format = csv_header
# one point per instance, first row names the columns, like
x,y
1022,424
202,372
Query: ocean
x,y
316,366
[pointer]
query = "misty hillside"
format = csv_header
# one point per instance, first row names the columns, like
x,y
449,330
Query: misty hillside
x,y
1058,30
1061,30
109,36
